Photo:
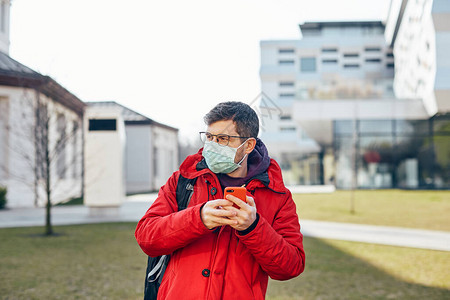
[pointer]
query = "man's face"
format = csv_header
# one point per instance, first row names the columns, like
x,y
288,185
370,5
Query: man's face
x,y
228,127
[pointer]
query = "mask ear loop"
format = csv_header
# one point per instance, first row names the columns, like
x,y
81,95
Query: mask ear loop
x,y
240,162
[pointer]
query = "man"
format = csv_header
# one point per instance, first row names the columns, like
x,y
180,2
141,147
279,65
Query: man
x,y
220,251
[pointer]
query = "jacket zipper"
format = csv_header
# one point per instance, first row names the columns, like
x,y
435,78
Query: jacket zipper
x,y
213,261
216,242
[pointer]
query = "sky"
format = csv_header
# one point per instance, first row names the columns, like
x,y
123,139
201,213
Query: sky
x,y
171,60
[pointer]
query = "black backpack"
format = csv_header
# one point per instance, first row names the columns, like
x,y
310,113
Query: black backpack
x,y
156,266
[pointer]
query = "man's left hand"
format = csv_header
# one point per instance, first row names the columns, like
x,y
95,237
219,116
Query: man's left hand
x,y
245,214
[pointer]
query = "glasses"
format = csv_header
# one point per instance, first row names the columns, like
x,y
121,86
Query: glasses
x,y
222,139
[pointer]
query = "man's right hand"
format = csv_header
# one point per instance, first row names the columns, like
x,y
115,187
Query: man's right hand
x,y
213,213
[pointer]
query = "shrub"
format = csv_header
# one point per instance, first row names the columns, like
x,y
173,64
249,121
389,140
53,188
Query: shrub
x,y
3,192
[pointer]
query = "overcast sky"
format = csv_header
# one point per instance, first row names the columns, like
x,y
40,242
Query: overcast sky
x,y
170,60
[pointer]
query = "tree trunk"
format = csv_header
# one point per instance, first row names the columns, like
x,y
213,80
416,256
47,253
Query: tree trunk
x,y
48,223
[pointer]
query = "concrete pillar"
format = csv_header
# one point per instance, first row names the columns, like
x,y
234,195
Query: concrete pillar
x,y
104,160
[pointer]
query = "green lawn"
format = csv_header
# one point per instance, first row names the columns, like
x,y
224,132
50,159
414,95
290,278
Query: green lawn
x,y
103,261
415,209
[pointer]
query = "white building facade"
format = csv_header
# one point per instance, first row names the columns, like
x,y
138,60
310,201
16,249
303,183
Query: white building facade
x,y
419,32
335,86
27,101
37,113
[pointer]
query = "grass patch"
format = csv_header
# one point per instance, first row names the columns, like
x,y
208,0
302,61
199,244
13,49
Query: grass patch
x,y
402,208
73,201
349,270
103,261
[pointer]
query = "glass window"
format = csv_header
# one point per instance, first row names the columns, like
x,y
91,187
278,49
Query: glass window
x,y
441,147
287,129
308,64
394,153
375,126
404,127
282,51
329,61
4,137
343,127
42,139
61,148
2,17
286,83
390,65
344,162
329,50
375,161
287,95
311,32
375,142
76,154
424,154
372,49
373,60
442,161
351,54
286,62
102,125
285,117
414,127
441,126
351,66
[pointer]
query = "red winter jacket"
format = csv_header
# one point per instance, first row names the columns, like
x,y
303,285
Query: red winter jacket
x,y
221,263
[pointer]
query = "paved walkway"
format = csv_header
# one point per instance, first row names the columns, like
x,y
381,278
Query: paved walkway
x,y
136,206
394,236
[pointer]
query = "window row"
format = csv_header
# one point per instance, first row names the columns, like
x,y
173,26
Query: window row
x,y
335,61
366,49
308,64
335,50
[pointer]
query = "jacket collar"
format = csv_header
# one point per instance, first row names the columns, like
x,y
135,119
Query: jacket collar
x,y
195,165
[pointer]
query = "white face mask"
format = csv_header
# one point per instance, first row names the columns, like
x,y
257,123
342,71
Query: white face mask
x,y
220,159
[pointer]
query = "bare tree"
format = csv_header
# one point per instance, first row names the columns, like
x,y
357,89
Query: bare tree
x,y
42,140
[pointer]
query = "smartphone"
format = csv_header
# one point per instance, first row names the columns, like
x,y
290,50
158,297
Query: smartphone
x,y
237,191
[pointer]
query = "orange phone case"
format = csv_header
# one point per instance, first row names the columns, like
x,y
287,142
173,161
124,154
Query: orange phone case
x,y
237,191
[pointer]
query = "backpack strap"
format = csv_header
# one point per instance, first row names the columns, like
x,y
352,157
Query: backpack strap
x,y
156,266
185,189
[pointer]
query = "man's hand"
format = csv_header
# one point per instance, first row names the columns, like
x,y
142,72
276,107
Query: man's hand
x,y
245,216
216,213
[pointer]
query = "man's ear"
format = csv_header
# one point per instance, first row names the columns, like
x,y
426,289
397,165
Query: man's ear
x,y
251,143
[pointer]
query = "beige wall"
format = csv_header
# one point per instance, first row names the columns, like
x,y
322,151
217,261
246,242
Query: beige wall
x,y
104,160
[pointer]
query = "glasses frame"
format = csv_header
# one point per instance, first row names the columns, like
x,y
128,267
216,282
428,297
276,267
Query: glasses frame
x,y
222,135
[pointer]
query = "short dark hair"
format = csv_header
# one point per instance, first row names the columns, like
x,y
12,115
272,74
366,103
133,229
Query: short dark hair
x,y
245,118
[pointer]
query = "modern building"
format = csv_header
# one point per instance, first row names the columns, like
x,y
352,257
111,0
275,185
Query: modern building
x,y
341,86
419,33
151,150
